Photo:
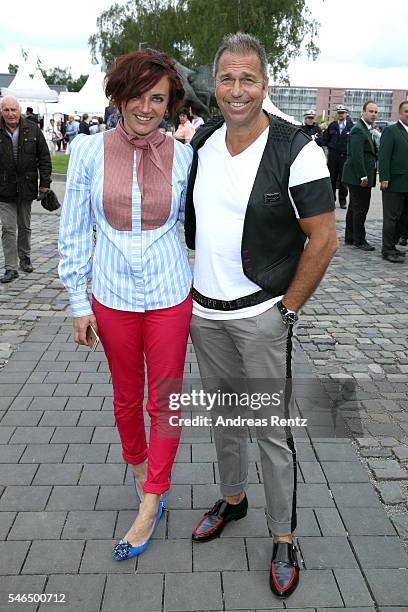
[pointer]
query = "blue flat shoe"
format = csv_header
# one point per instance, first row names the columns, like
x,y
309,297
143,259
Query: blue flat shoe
x,y
163,499
124,550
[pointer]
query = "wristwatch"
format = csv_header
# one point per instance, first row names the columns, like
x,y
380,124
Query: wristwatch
x,y
289,317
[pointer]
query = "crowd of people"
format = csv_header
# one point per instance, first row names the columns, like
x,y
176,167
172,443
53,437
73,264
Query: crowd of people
x,y
356,152
257,198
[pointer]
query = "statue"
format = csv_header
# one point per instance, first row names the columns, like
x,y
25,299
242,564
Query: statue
x,y
199,86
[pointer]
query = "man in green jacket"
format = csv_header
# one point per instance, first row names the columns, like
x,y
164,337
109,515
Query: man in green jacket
x,y
360,175
393,161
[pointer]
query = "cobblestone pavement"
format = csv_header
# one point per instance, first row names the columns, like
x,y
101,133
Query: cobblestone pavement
x,y
66,496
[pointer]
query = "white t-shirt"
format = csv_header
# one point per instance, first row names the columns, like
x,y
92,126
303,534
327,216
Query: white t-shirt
x,y
221,192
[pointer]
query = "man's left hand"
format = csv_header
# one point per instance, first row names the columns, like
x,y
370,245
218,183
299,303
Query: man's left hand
x,y
42,193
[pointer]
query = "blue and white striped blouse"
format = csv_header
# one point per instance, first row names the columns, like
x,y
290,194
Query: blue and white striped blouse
x,y
131,270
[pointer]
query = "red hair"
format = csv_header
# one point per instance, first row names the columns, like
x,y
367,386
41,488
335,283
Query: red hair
x,y
135,73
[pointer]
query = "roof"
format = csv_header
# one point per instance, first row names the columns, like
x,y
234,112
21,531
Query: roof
x,y
6,78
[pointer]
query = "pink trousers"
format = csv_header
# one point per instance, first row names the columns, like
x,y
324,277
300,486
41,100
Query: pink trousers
x,y
160,338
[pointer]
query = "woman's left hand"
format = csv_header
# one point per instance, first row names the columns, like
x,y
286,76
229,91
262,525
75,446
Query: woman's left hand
x,y
81,325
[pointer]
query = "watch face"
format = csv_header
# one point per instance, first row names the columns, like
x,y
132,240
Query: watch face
x,y
291,317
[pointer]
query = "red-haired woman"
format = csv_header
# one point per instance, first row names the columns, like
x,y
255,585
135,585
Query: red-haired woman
x,y
130,182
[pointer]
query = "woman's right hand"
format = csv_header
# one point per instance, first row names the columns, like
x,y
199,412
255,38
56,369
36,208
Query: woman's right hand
x,y
80,325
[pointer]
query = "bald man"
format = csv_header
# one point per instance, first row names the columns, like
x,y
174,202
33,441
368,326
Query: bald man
x,y
24,158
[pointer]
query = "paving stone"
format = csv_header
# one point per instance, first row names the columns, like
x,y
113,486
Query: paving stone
x,y
101,390
388,469
313,496
391,492
58,474
312,472
61,417
401,524
17,474
47,558
20,584
348,471
48,403
226,554
22,498
327,553
61,377
197,591
43,453
335,452
82,593
167,556
11,453
86,453
379,552
106,434
124,593
353,588
38,390
5,434
401,452
373,521
98,559
22,403
84,403
354,495
72,498
31,435
72,389
329,521
179,496
37,526
306,523
96,418
103,474
12,555
6,521
72,434
20,417
116,497
195,473
389,586
89,525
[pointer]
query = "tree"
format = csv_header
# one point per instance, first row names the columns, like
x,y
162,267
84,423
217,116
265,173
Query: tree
x,y
140,23
191,30
57,76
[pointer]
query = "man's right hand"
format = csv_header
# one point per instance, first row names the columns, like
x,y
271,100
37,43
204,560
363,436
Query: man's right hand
x,y
384,185
80,325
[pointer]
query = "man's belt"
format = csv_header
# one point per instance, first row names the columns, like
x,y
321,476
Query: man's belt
x,y
248,300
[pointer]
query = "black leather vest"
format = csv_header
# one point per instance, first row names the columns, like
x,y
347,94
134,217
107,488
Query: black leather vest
x,y
272,240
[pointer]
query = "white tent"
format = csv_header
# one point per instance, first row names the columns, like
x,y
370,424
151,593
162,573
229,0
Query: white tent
x,y
269,106
29,89
90,99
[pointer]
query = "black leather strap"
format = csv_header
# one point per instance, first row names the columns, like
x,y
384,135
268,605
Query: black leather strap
x,y
248,300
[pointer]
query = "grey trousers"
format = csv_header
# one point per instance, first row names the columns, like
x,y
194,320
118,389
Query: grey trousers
x,y
13,216
250,353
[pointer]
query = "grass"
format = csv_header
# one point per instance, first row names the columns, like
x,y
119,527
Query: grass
x,y
60,163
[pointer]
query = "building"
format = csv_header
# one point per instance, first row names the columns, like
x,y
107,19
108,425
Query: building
x,y
297,100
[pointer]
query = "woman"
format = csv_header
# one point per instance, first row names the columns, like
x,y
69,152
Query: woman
x,y
130,182
71,130
185,130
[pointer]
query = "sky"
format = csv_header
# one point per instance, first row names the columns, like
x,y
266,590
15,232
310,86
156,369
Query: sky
x,y
363,43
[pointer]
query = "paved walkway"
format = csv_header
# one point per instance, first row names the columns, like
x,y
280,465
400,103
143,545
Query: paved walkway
x,y
66,496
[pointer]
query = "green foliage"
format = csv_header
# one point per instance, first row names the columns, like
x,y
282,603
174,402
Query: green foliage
x,y
12,68
191,30
63,76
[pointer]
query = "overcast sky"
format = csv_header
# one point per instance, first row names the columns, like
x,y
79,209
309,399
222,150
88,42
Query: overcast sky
x,y
363,43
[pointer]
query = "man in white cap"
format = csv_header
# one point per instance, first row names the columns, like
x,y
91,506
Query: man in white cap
x,y
310,126
335,138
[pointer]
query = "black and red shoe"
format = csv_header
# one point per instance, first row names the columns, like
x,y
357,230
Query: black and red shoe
x,y
214,521
284,576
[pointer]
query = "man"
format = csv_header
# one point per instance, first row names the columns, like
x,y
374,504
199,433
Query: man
x,y
30,116
23,154
360,174
335,139
311,128
393,167
252,274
